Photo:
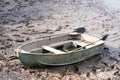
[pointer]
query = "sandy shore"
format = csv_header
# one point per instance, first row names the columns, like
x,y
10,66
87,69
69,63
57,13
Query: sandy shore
x,y
26,20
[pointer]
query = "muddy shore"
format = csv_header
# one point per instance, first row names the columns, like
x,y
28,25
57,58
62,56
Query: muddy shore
x,y
26,20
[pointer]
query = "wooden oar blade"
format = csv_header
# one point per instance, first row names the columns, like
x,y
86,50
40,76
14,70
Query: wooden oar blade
x,y
80,30
104,37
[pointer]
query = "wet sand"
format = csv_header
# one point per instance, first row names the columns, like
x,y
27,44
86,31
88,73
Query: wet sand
x,y
27,20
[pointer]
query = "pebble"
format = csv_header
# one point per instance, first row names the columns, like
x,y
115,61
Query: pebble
x,y
88,74
2,48
19,27
118,67
2,63
94,69
14,30
106,63
32,71
30,26
13,57
112,66
2,56
19,40
59,28
8,45
117,73
76,69
108,79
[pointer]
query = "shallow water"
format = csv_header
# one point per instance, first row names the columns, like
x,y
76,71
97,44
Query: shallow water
x,y
113,5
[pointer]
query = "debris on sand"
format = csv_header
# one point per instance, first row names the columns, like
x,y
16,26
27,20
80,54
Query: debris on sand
x,y
59,28
19,40
13,57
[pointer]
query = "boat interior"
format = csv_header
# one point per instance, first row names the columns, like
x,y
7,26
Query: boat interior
x,y
61,44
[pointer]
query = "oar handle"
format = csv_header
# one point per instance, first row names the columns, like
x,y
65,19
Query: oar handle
x,y
51,35
90,44
84,47
46,36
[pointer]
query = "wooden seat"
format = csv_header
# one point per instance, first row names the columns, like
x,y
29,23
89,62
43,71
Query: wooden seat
x,y
60,43
52,50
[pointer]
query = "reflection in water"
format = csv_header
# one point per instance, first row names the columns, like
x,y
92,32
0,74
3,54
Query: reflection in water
x,y
113,4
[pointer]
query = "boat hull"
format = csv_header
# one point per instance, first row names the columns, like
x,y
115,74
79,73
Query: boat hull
x,y
39,60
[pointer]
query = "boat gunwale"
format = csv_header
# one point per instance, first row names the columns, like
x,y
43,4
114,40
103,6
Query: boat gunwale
x,y
42,38
69,52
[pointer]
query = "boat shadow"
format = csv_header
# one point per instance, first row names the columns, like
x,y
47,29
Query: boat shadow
x,y
99,63
106,61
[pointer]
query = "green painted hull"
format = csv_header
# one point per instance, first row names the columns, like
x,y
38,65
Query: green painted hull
x,y
41,60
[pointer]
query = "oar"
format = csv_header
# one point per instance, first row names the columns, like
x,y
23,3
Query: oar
x,y
50,35
103,39
78,30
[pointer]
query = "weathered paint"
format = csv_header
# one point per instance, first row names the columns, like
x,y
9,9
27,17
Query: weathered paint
x,y
40,59
33,60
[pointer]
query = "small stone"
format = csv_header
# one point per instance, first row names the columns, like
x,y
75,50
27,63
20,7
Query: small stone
x,y
2,57
108,79
88,74
2,47
32,71
9,39
27,24
26,0
14,30
112,66
8,45
19,26
7,3
106,48
27,39
76,69
13,57
67,25
117,73
30,26
94,69
118,67
59,28
19,40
